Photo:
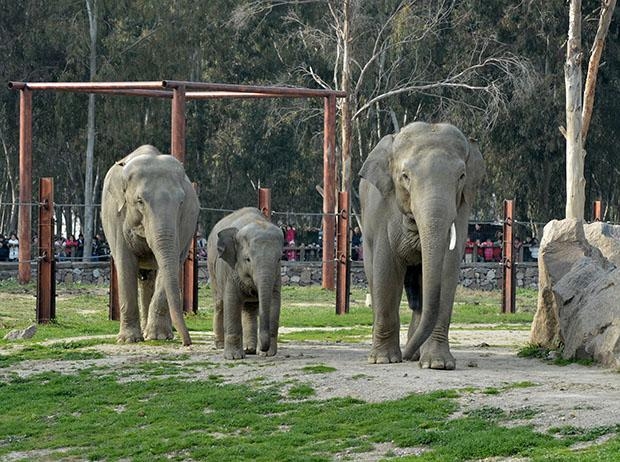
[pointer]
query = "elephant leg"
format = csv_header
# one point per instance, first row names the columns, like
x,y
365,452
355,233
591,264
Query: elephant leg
x,y
249,323
274,322
130,330
159,323
413,289
233,330
435,352
146,287
218,322
386,293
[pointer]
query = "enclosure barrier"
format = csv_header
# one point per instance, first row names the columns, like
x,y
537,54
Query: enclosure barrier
x,y
46,279
508,287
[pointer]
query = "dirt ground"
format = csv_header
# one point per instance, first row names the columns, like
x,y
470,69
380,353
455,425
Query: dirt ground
x,y
572,395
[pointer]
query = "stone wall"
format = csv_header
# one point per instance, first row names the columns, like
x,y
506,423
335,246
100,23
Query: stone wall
x,y
484,276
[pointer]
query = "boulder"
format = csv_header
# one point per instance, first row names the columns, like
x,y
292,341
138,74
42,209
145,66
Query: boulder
x,y
577,299
22,334
606,238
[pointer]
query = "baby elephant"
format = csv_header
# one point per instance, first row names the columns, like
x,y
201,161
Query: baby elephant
x,y
243,253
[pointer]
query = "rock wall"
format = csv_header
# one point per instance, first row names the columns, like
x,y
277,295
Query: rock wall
x,y
482,276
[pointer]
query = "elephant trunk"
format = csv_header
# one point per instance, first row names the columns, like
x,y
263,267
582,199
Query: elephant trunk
x,y
166,250
265,286
437,236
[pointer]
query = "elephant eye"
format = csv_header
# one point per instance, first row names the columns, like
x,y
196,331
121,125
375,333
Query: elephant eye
x,y
405,177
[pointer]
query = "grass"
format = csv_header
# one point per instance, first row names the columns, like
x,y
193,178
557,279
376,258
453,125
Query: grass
x,y
150,410
551,356
94,415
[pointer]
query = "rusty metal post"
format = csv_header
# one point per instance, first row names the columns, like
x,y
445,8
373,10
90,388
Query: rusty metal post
x,y
177,149
597,211
264,202
177,138
343,253
508,290
114,305
329,191
46,277
25,184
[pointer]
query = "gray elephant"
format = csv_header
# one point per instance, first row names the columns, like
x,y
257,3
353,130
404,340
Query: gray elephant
x,y
244,251
149,213
416,193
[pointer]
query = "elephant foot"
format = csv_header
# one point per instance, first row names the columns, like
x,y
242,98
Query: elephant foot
x,y
233,348
273,349
414,357
250,350
129,335
385,355
219,344
233,353
158,332
437,356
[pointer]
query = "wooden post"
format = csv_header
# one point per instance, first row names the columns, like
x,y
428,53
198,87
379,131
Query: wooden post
x,y
46,279
264,202
343,253
508,291
25,184
329,191
114,305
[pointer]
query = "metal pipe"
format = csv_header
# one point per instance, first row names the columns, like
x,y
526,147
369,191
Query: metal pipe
x,y
264,202
46,280
329,190
177,141
508,288
25,184
225,87
343,253
86,86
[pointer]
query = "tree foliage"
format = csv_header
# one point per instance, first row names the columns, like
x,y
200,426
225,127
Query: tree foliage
x,y
493,68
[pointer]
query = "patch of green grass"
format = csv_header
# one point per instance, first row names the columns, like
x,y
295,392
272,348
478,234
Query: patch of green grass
x,y
352,335
301,391
318,369
63,351
550,355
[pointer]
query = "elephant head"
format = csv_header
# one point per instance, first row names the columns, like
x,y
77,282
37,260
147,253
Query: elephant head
x,y
254,252
159,209
430,172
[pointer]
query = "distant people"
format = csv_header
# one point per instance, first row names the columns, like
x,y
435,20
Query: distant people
x,y
487,250
201,246
4,248
517,245
289,236
13,244
71,245
534,249
80,247
356,244
469,250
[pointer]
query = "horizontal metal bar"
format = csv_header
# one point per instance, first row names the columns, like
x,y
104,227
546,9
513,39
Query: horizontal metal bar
x,y
276,91
86,86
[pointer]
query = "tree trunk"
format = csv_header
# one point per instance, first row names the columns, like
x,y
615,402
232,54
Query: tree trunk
x,y
575,154
91,7
346,105
607,10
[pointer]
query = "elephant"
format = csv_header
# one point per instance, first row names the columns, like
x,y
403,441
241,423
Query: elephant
x,y
244,250
416,191
149,213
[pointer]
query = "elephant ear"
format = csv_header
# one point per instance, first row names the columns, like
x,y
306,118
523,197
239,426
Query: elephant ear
x,y
476,171
376,168
118,186
227,245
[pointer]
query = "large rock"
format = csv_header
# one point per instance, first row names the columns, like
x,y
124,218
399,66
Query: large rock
x,y
21,334
606,238
577,299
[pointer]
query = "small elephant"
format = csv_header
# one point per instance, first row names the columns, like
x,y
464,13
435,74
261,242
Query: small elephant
x,y
244,251
416,193
149,214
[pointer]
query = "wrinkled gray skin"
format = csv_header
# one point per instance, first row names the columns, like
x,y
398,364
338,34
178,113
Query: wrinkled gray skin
x,y
243,254
149,213
414,186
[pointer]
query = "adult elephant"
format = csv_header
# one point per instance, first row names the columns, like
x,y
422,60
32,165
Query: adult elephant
x,y
244,250
149,213
416,192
